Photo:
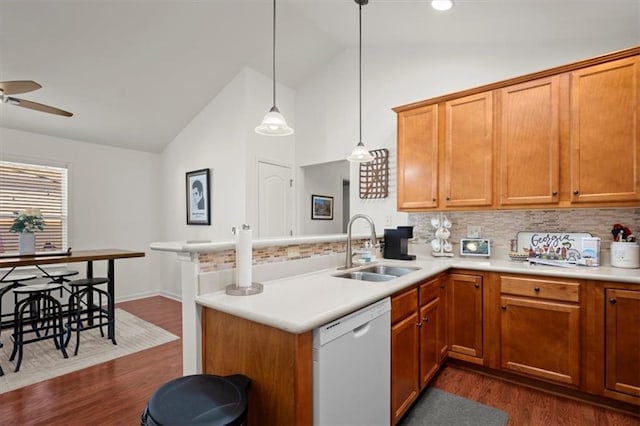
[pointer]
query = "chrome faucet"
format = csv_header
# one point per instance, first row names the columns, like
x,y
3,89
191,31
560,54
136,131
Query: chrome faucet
x,y
349,260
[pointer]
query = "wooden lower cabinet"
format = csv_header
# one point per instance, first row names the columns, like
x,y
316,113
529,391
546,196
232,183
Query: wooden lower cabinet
x,y
622,341
418,342
540,328
465,317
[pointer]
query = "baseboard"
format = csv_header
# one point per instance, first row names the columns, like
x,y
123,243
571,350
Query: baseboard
x,y
149,294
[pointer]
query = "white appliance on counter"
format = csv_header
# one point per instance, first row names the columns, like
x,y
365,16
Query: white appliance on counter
x,y
352,368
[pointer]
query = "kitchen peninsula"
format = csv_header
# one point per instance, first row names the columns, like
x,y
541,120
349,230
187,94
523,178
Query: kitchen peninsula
x,y
229,334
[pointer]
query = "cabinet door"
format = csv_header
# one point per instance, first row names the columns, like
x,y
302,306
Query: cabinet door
x,y
541,338
468,151
465,314
529,142
622,331
404,365
605,133
418,158
430,340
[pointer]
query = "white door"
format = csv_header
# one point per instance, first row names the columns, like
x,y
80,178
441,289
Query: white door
x,y
275,189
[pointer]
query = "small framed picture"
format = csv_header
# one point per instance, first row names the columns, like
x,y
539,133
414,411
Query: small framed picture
x,y
321,207
198,197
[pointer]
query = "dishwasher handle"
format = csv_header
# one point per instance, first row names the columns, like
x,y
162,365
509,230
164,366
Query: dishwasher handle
x,y
362,330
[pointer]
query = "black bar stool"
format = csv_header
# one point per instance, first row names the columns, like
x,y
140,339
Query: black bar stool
x,y
201,399
12,281
42,312
60,276
84,312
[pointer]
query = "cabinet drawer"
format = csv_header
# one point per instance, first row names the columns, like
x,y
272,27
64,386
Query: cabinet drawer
x,y
404,304
542,288
430,290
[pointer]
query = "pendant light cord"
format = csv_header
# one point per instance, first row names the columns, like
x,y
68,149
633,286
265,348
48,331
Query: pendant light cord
x,y
273,62
360,67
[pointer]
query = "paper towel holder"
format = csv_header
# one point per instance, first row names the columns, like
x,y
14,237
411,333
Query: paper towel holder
x,y
235,290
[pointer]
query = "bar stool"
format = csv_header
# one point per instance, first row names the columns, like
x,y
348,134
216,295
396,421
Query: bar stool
x,y
13,281
84,312
201,399
60,276
43,312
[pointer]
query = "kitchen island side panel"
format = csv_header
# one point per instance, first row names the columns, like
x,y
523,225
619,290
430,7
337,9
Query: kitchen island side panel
x,y
279,364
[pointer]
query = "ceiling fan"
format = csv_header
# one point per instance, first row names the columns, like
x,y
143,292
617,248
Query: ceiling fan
x,y
23,86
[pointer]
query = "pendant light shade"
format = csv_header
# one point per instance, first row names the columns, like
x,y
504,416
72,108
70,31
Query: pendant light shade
x,y
360,153
273,123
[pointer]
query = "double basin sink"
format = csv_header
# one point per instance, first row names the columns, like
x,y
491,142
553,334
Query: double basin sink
x,y
377,273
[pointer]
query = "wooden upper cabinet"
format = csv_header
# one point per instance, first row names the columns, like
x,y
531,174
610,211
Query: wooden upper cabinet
x,y
418,158
605,152
468,152
528,139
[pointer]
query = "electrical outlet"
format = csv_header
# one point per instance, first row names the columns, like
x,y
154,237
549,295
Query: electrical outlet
x,y
388,221
293,251
473,231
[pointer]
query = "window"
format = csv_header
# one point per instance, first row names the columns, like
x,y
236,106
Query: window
x,y
30,186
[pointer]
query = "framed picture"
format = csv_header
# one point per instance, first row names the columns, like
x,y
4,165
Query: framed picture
x,y
198,196
321,207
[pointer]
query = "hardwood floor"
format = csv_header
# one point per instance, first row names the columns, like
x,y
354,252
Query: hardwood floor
x,y
526,406
112,393
115,392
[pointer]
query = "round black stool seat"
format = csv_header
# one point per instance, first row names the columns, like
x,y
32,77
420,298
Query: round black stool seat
x,y
199,399
88,281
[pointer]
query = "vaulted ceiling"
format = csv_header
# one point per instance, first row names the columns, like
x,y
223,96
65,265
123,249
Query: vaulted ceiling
x,y
135,72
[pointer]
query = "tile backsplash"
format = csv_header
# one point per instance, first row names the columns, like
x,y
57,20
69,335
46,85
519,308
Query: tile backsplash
x,y
502,226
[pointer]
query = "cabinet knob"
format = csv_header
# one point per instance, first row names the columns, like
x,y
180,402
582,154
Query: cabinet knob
x,y
419,324
576,192
425,319
554,193
536,289
476,285
448,198
504,307
612,300
433,199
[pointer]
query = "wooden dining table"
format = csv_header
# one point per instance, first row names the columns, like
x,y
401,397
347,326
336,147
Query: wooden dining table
x,y
9,263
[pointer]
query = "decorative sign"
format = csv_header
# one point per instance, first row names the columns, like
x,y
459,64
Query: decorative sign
x,y
552,245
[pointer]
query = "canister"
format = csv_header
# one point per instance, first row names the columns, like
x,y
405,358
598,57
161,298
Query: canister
x,y
625,255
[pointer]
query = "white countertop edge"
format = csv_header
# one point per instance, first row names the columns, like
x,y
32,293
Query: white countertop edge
x,y
197,246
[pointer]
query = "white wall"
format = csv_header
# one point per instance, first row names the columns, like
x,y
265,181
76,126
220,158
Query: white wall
x,y
113,200
323,179
221,138
327,105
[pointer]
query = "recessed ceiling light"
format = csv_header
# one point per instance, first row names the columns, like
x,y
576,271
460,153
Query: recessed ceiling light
x,y
442,5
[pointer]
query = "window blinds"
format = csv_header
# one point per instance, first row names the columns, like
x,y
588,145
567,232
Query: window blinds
x,y
29,186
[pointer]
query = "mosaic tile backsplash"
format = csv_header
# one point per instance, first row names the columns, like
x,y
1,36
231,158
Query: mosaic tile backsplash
x,y
502,226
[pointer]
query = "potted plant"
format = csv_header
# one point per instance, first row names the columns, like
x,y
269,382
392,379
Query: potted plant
x,y
25,223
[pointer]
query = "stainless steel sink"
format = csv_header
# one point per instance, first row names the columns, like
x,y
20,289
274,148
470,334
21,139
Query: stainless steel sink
x,y
365,276
396,271
377,273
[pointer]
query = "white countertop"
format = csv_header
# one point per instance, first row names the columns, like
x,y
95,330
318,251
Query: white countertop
x,y
303,302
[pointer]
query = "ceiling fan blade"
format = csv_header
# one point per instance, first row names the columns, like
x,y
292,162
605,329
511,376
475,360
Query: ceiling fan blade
x,y
18,86
37,107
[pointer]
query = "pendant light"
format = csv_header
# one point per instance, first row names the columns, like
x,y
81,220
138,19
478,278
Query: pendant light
x,y
273,123
360,154
442,5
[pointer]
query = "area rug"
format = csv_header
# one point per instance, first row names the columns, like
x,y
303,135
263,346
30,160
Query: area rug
x,y
42,361
436,407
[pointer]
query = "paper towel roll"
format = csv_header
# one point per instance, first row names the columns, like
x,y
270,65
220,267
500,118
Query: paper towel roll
x,y
243,256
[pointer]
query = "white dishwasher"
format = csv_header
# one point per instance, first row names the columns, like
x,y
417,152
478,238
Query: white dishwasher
x,y
352,368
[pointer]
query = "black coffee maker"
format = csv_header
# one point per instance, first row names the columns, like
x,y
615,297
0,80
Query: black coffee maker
x,y
396,243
